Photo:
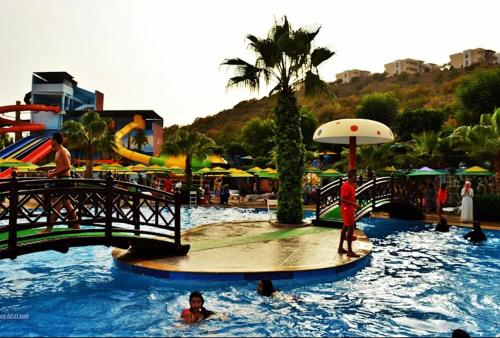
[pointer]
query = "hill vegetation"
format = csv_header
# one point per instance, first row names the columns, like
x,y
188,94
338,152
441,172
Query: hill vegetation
x,y
432,90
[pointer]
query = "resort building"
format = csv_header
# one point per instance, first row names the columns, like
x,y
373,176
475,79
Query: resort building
x,y
410,66
60,89
348,75
473,56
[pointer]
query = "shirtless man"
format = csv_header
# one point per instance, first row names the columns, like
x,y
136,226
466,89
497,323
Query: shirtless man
x,y
62,171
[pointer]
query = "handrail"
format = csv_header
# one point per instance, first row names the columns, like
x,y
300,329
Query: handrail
x,y
108,205
371,194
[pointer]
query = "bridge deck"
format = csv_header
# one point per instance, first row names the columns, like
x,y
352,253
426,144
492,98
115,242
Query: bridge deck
x,y
251,250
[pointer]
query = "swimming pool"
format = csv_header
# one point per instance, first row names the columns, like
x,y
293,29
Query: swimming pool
x,y
418,282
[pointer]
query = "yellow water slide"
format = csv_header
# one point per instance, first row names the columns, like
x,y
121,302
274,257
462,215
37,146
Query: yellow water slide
x,y
139,123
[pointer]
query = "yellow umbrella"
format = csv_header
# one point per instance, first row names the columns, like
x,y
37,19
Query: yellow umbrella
x,y
254,170
137,167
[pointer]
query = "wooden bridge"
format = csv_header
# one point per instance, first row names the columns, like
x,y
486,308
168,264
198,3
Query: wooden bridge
x,y
110,212
397,195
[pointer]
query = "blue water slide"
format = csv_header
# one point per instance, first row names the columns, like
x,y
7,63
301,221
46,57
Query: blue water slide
x,y
37,142
4,153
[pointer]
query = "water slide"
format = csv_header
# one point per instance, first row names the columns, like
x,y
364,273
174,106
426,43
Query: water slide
x,y
169,161
29,149
13,126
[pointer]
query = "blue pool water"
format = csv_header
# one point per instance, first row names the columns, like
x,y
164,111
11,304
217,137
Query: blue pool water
x,y
417,282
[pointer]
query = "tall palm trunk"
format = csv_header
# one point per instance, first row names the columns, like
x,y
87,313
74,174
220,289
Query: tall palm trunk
x,y
89,162
290,158
189,171
497,174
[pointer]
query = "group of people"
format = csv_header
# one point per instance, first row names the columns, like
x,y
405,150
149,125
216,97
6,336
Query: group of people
x,y
197,312
436,203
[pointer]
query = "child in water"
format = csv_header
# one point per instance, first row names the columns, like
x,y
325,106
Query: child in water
x,y
196,312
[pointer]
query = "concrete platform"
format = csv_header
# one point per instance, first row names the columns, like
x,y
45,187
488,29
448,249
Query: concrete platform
x,y
252,250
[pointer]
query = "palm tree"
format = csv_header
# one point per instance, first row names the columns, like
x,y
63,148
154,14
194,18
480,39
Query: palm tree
x,y
140,139
90,134
482,141
287,59
425,148
191,144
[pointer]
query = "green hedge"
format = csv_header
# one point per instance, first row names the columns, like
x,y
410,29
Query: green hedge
x,y
487,208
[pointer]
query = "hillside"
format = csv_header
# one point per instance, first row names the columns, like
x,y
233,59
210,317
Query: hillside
x,y
426,90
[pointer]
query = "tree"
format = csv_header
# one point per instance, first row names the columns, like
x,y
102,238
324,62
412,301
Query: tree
x,y
140,139
308,123
479,93
91,135
381,107
287,58
191,144
417,121
257,136
482,142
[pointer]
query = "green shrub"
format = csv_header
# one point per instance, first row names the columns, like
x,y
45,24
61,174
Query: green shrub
x,y
487,208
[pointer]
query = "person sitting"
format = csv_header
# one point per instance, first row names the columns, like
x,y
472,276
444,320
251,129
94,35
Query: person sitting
x,y
459,333
196,311
443,225
476,235
266,288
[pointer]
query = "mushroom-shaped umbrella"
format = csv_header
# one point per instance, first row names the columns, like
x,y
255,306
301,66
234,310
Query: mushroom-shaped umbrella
x,y
353,132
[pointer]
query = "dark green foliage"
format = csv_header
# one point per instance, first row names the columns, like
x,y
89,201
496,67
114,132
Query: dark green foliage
x,y
487,207
479,93
308,124
234,148
290,159
257,136
418,120
381,107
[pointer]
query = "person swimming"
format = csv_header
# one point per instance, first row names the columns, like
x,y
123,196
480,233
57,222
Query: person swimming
x,y
443,225
196,311
266,288
476,235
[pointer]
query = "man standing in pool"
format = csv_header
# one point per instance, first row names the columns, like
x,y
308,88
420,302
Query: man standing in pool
x,y
348,208
62,171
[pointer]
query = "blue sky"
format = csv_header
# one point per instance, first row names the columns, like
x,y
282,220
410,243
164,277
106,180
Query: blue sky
x,y
166,55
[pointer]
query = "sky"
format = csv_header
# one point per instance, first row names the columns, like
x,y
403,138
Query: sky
x,y
166,55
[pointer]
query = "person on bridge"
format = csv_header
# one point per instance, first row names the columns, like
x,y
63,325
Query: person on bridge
x,y
348,208
62,171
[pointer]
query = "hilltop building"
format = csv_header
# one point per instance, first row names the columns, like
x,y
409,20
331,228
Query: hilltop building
x,y
473,56
410,66
348,75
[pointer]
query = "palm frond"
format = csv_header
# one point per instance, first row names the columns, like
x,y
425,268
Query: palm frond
x,y
319,55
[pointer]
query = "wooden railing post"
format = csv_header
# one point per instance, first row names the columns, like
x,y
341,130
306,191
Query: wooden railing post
x,y
177,217
13,210
374,192
136,199
392,188
109,207
318,202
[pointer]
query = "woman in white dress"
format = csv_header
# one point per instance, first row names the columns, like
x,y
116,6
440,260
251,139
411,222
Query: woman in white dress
x,y
467,194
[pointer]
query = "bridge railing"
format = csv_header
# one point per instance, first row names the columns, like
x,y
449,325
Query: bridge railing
x,y
109,207
370,194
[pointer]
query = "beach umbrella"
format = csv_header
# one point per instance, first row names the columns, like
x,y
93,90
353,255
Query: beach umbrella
x,y
136,168
157,168
12,162
331,173
425,171
202,171
254,170
113,167
175,169
24,169
269,170
475,171
353,132
312,170
264,174
240,174
218,170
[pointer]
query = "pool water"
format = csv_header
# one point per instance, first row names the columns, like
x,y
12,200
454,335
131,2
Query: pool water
x,y
418,282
